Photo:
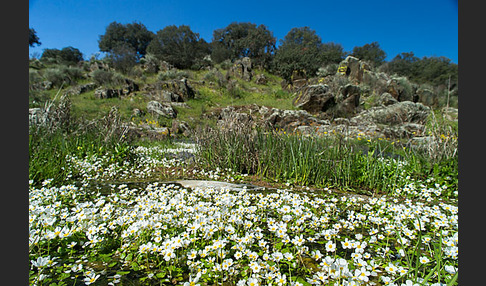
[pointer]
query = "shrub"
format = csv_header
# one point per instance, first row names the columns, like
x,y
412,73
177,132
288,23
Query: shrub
x,y
107,78
173,74
56,76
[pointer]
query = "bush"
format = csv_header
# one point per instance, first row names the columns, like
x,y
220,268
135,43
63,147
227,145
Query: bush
x,y
67,55
56,76
172,74
107,78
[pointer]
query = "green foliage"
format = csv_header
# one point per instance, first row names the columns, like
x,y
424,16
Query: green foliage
x,y
172,74
123,57
134,35
427,70
63,75
299,51
33,38
317,160
371,53
67,56
331,53
239,40
107,78
178,46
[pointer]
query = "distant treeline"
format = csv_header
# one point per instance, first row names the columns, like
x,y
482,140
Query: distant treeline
x,y
301,50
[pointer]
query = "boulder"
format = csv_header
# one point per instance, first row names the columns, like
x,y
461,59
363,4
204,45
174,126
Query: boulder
x,y
347,101
261,79
102,93
242,68
231,118
314,98
401,89
386,99
161,109
77,90
393,114
427,97
353,68
171,90
180,127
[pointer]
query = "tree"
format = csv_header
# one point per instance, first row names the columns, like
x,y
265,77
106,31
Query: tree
x,y
178,46
371,53
299,51
404,64
67,55
134,35
332,53
436,70
123,57
33,38
431,70
239,40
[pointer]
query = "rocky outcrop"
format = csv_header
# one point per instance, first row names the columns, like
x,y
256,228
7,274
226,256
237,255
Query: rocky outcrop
x,y
398,113
103,92
242,68
261,79
161,109
353,68
399,120
82,88
347,101
171,90
401,89
386,99
314,98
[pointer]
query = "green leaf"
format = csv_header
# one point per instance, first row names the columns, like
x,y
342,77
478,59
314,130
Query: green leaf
x,y
453,280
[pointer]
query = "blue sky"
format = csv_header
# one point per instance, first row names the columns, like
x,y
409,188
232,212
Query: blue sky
x,y
425,27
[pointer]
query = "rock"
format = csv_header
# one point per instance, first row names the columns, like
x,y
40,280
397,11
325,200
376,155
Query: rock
x,y
353,68
427,97
171,97
161,109
393,114
43,85
157,133
261,79
401,89
137,112
230,118
347,101
77,90
171,90
180,127
314,98
242,68
98,66
386,99
102,93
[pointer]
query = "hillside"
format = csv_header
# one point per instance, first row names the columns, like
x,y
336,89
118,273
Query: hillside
x,y
196,97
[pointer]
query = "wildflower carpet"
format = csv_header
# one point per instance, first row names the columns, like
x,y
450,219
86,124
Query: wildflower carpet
x,y
163,233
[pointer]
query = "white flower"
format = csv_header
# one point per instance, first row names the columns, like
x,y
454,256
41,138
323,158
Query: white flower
x,y
450,269
255,267
330,246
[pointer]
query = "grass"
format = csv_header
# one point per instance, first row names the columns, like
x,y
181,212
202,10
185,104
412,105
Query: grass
x,y
364,165
97,217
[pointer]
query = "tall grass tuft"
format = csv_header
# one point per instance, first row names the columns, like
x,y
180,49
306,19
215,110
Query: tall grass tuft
x,y
60,135
333,161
